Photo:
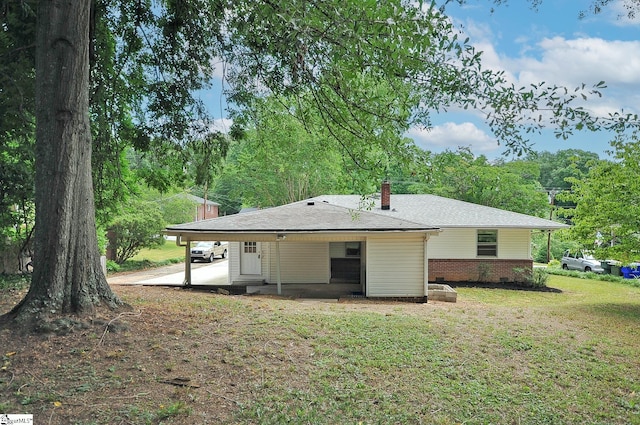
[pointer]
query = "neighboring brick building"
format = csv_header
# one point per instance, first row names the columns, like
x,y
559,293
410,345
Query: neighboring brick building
x,y
204,210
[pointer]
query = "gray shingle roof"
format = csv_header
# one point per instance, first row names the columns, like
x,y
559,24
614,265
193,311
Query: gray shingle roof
x,y
200,200
303,216
190,197
347,213
442,212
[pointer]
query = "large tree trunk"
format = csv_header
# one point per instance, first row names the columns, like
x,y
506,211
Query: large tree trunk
x,y
67,276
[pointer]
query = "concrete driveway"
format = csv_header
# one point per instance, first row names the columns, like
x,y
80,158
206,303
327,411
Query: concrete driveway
x,y
215,273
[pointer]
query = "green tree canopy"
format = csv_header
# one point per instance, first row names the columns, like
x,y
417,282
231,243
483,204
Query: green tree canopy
x,y
556,167
280,160
607,213
17,124
351,55
461,175
369,68
138,226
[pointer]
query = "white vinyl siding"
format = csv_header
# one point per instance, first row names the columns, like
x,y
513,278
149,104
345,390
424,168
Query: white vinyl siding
x,y
395,267
453,243
462,243
300,262
514,244
234,260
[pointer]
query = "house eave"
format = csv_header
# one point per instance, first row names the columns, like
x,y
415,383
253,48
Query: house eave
x,y
282,234
503,226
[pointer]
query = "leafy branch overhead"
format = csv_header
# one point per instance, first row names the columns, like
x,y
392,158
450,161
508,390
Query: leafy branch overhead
x,y
346,55
365,70
370,71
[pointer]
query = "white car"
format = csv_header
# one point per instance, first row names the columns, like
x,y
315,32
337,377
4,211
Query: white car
x,y
207,251
579,260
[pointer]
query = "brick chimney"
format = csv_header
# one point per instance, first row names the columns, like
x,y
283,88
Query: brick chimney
x,y
385,195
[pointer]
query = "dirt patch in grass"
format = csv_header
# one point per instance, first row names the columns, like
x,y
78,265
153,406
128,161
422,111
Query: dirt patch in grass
x,y
172,357
185,357
178,357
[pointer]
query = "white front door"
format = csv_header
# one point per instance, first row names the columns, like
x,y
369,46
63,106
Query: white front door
x,y
250,258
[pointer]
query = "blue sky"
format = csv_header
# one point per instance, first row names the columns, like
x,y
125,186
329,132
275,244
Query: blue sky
x,y
551,44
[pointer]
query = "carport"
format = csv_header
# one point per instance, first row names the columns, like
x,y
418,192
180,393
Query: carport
x,y
297,243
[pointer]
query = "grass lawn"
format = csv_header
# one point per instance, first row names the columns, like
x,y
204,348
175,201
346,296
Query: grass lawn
x,y
168,251
495,357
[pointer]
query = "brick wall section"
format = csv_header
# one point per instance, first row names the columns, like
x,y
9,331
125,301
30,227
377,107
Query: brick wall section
x,y
476,270
203,214
385,195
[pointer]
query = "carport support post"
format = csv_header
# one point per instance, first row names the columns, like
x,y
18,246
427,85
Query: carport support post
x,y
279,281
187,263
425,268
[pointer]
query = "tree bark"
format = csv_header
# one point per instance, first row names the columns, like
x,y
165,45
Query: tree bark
x,y
67,277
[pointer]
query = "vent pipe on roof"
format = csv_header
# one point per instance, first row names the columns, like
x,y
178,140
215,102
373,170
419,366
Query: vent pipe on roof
x,y
385,195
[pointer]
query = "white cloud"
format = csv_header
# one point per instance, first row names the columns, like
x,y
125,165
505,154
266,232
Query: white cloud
x,y
570,63
220,68
451,136
532,54
618,13
222,125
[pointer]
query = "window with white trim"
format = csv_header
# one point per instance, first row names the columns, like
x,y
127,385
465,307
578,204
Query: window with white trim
x,y
487,243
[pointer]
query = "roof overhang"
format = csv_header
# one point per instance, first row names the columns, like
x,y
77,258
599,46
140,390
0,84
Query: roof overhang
x,y
322,219
292,235
300,220
548,228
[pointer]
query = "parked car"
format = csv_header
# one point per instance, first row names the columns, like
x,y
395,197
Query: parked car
x,y
580,260
207,251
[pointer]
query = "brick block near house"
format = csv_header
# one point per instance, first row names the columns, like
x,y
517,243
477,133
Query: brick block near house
x,y
477,270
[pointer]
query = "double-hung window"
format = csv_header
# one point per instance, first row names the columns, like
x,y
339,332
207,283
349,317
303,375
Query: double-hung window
x,y
487,243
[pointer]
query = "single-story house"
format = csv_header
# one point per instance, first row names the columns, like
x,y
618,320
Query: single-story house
x,y
205,208
197,208
392,245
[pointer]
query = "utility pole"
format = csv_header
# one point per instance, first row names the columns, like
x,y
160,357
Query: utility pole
x,y
552,202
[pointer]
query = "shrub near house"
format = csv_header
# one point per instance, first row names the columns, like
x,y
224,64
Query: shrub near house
x,y
139,226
